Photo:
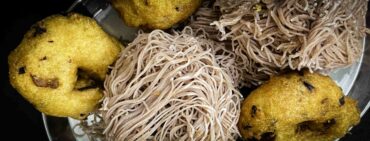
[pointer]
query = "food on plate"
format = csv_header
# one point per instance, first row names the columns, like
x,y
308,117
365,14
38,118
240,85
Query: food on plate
x,y
182,85
60,62
169,87
297,106
155,14
272,35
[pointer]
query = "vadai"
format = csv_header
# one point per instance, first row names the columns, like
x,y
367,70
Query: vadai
x,y
297,106
60,63
155,14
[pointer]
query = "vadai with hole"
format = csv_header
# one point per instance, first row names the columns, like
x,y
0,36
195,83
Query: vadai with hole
x,y
60,63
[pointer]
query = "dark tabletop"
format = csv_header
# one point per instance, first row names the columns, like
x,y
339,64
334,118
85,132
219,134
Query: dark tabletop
x,y
19,119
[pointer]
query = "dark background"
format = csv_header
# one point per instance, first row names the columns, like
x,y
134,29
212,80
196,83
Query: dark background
x,y
20,120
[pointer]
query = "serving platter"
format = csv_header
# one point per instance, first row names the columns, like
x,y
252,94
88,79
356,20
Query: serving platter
x,y
354,79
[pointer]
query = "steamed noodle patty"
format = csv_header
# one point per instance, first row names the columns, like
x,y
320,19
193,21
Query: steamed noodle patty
x,y
272,35
169,87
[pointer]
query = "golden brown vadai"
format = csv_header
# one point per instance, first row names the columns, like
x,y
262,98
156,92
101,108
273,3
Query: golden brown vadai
x,y
60,62
297,106
155,14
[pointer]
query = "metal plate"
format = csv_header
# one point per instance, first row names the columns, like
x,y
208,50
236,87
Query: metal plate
x,y
354,80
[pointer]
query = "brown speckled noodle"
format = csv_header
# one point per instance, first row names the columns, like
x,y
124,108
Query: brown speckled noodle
x,y
276,34
169,87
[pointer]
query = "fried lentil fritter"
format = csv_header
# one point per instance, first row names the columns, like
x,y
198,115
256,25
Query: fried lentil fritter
x,y
155,14
297,106
60,63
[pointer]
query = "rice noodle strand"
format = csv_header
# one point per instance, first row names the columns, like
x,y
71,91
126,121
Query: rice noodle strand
x,y
170,87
